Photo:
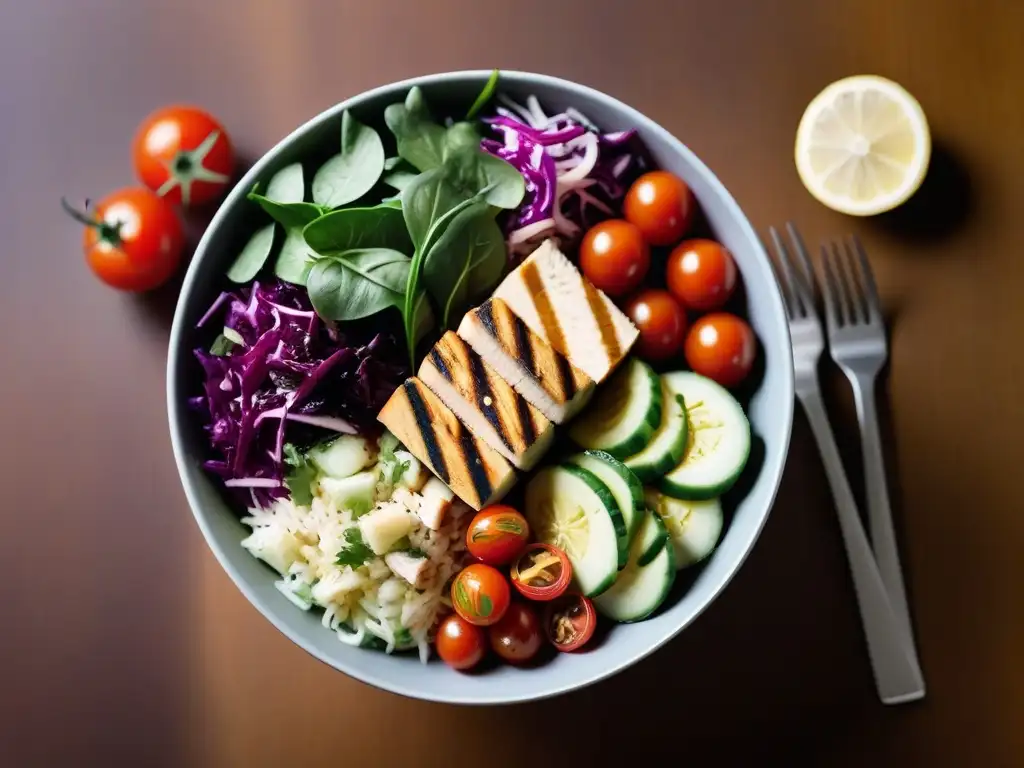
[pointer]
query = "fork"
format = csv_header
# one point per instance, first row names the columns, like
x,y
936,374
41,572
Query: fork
x,y
856,340
897,674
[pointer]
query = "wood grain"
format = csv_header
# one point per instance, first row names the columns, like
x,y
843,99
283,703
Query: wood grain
x,y
123,642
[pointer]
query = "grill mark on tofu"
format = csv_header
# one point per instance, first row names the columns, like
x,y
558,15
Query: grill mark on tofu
x,y
426,428
542,301
438,361
566,378
486,400
529,430
605,324
474,463
523,346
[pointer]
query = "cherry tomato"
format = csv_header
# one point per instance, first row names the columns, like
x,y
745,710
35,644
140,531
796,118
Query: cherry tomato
x,y
517,637
183,154
480,594
662,323
721,346
614,256
497,534
541,572
661,205
132,239
569,622
460,644
701,274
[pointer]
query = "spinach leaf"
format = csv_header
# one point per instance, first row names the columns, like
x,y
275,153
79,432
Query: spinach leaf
x,y
471,169
426,199
466,262
354,284
356,552
485,95
254,255
379,227
459,136
351,173
300,477
293,261
421,142
232,335
392,162
400,176
287,185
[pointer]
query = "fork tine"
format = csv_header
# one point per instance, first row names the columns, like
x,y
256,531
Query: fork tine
x,y
830,290
801,252
868,286
785,273
848,275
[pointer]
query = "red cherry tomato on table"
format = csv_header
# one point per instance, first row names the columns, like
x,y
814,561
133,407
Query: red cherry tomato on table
x,y
541,572
184,155
460,644
614,256
480,594
497,534
721,346
517,636
569,622
661,321
701,274
661,205
132,240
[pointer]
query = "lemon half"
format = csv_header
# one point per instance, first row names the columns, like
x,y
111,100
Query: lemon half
x,y
863,145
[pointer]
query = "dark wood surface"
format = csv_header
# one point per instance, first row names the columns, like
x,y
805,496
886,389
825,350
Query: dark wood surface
x,y
123,643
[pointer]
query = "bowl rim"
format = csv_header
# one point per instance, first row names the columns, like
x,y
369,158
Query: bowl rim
x,y
177,413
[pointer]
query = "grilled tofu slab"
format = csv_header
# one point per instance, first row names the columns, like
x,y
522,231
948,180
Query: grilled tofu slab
x,y
485,402
473,470
565,309
546,379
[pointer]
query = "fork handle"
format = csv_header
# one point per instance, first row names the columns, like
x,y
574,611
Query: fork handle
x,y
897,675
883,534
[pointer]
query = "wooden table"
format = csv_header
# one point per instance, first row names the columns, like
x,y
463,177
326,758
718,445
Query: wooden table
x,y
123,642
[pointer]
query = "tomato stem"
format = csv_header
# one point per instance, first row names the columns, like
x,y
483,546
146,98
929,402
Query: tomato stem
x,y
109,232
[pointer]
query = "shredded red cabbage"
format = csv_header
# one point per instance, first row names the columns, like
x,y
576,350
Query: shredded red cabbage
x,y
294,378
575,175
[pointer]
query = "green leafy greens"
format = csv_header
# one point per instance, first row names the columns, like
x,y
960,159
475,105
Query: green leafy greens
x,y
485,95
300,477
355,170
356,552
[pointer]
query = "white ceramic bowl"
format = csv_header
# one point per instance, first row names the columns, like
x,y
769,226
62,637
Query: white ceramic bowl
x,y
769,407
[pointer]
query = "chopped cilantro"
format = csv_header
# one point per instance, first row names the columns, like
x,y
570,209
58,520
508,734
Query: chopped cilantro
x,y
415,552
397,470
300,477
403,637
404,545
356,553
360,507
388,444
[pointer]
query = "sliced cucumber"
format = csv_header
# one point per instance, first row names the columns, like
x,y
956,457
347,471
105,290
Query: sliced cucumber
x,y
640,589
623,414
624,486
668,443
718,442
694,527
652,536
567,506
342,457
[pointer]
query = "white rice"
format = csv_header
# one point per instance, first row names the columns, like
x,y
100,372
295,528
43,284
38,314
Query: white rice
x,y
369,601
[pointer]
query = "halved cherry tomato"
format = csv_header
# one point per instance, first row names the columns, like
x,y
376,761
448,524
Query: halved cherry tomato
x,y
570,622
183,154
721,346
541,572
460,644
517,636
132,240
614,256
497,534
661,205
661,321
701,274
480,594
